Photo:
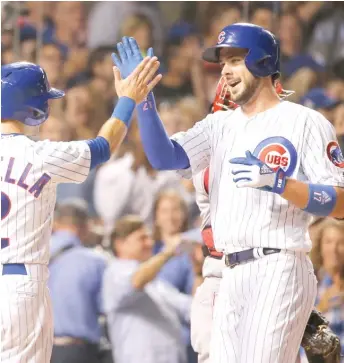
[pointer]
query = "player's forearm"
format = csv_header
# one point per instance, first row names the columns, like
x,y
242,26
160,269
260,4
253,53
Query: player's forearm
x,y
115,129
300,194
148,270
112,132
162,153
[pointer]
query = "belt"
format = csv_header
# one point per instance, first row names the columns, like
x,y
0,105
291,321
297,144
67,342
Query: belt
x,y
13,269
234,259
69,341
211,253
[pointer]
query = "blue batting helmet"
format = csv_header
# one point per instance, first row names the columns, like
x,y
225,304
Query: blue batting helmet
x,y
25,92
263,55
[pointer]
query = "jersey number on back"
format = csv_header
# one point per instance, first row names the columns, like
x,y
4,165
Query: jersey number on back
x,y
5,210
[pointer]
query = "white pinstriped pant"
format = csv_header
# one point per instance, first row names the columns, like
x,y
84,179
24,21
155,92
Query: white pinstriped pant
x,y
26,321
262,309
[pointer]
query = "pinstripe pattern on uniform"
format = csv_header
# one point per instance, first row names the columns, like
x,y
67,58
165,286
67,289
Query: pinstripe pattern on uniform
x,y
28,225
26,315
262,309
245,218
26,321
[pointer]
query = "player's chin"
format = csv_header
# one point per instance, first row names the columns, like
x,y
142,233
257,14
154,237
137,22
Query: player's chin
x,y
238,98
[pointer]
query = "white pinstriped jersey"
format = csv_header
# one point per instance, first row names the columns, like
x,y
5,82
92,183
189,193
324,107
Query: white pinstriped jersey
x,y
30,172
202,198
296,138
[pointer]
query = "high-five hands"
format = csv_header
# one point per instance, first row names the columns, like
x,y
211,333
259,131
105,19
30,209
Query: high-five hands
x,y
140,82
129,56
132,72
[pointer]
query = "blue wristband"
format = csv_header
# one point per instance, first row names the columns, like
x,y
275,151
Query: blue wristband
x,y
100,151
321,200
280,182
124,109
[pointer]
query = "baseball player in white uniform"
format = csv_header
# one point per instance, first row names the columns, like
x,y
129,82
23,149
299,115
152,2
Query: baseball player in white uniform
x,y
205,296
30,172
273,164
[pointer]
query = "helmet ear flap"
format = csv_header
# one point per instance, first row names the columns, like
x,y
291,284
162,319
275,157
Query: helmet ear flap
x,y
259,63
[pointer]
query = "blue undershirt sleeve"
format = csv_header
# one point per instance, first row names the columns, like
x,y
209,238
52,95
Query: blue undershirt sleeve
x,y
162,152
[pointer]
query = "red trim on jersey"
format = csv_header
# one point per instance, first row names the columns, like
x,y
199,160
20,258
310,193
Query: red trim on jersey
x,y
207,235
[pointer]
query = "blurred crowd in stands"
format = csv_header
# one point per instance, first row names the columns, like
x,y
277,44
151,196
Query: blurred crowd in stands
x,y
73,42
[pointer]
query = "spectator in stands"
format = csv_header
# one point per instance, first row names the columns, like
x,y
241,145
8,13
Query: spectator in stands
x,y
69,32
176,82
170,220
129,185
69,25
309,14
319,100
85,110
335,88
262,15
216,16
171,117
294,63
50,58
84,113
144,313
75,283
28,44
139,27
329,250
184,36
38,14
327,41
100,73
112,15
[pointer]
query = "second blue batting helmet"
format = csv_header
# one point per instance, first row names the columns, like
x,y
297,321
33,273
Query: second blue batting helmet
x,y
25,92
263,56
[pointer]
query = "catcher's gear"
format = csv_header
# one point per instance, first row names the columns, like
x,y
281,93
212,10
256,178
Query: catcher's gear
x,y
222,101
25,92
320,343
263,57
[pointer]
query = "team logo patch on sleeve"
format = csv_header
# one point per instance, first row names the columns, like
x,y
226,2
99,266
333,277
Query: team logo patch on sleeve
x,y
334,153
277,152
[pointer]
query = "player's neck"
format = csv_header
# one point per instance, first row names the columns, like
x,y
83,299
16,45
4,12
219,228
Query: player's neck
x,y
11,127
263,100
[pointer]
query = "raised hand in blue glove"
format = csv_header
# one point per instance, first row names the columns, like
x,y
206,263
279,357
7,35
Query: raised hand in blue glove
x,y
129,56
252,172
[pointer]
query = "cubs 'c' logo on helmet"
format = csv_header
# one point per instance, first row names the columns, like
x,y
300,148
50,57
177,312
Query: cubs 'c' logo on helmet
x,y
334,153
277,152
221,37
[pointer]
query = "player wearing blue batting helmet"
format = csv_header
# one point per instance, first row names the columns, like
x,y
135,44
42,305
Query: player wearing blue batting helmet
x,y
263,54
249,56
25,92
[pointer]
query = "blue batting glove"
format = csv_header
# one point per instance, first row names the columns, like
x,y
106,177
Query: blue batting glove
x,y
251,172
129,56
